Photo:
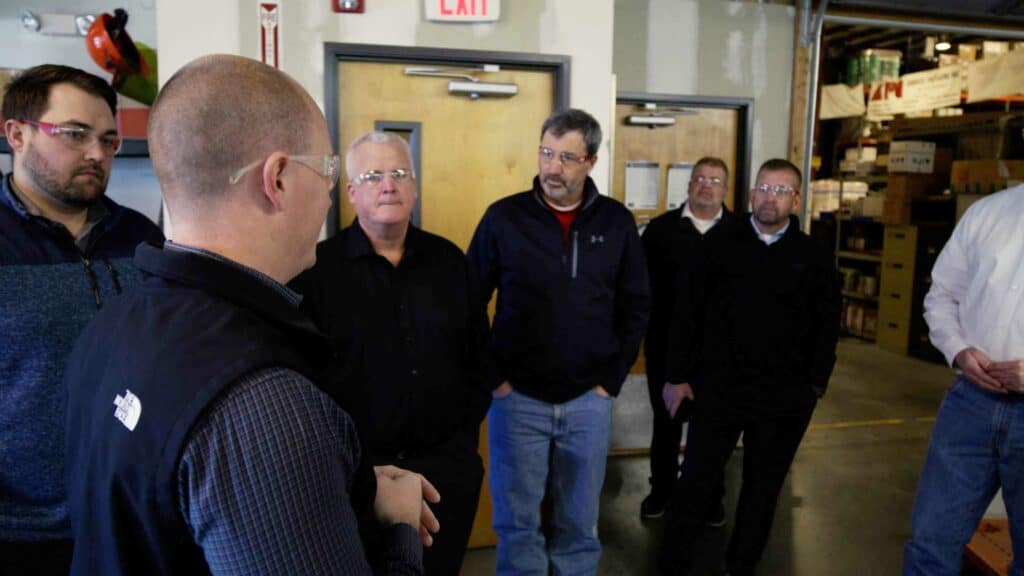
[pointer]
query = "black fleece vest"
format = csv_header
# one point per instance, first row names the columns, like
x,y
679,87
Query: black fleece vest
x,y
141,375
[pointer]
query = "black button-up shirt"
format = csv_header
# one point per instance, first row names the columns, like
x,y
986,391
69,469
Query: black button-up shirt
x,y
411,339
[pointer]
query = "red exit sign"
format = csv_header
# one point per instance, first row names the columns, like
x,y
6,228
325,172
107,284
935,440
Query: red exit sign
x,y
462,10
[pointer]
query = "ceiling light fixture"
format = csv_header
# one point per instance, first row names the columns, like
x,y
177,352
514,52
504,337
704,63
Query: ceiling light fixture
x,y
943,44
29,21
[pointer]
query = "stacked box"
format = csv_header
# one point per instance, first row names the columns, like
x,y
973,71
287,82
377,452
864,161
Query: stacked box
x,y
915,156
985,176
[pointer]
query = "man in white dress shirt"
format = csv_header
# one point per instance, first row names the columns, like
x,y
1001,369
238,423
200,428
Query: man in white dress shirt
x,y
976,318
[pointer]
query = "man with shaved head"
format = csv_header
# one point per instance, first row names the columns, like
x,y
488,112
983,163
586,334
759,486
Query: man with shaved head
x,y
199,438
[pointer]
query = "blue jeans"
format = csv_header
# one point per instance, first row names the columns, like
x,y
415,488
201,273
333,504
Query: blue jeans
x,y
562,447
977,446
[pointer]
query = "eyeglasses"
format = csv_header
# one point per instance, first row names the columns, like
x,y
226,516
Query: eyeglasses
x,y
777,190
565,158
375,177
710,181
328,166
79,137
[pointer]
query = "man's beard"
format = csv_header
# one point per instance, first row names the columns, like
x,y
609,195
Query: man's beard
x,y
77,194
769,216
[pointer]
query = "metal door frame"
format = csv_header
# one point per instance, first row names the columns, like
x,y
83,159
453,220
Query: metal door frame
x,y
744,130
335,53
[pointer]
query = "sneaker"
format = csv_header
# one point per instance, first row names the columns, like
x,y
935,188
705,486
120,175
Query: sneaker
x,y
717,517
653,506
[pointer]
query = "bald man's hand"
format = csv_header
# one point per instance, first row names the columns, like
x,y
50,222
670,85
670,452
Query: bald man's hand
x,y
402,497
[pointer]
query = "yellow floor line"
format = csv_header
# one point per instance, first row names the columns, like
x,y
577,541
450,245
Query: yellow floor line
x,y
860,424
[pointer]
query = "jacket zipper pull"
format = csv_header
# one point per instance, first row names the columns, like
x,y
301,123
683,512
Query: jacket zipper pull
x,y
92,281
575,252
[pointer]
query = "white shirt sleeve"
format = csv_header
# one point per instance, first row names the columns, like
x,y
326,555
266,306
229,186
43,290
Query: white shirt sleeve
x,y
950,282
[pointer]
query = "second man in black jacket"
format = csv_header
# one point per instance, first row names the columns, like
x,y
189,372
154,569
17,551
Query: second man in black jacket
x,y
755,330
673,241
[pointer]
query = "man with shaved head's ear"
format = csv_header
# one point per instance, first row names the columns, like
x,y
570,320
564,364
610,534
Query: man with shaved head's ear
x,y
199,438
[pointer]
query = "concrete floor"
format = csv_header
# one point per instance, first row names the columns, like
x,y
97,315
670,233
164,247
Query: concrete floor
x,y
845,507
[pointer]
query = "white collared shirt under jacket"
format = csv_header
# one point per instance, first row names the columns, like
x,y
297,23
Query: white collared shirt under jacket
x,y
978,279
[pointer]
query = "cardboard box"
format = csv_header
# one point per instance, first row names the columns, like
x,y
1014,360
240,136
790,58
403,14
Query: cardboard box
x,y
916,156
993,48
984,176
862,153
907,186
870,206
967,51
963,202
896,211
943,164
1005,143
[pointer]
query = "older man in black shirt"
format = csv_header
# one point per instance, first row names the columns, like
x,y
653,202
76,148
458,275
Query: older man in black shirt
x,y
404,315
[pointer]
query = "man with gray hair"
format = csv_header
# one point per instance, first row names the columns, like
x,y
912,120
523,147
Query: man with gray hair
x,y
201,437
573,297
404,317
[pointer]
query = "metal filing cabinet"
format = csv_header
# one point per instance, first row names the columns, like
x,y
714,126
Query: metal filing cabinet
x,y
896,287
908,255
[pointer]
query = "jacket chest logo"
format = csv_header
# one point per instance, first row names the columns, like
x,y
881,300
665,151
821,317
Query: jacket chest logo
x,y
597,239
128,410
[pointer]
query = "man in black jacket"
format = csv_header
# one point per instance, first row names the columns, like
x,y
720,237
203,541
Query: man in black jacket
x,y
671,242
755,331
201,439
572,308
405,319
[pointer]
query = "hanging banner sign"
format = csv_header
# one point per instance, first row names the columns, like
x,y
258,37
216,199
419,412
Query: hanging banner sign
x,y
462,10
841,101
270,25
996,77
916,92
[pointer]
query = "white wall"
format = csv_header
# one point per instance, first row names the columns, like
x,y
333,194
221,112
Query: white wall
x,y
132,182
712,48
20,48
581,29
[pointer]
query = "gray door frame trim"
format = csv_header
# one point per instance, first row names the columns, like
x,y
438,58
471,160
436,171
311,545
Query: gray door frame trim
x,y
744,145
334,52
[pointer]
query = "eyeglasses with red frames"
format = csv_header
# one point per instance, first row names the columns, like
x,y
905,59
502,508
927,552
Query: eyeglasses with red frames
x,y
79,137
547,155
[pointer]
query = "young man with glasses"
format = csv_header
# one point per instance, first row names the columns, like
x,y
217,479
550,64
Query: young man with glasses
x,y
673,241
64,250
755,332
405,319
202,436
572,307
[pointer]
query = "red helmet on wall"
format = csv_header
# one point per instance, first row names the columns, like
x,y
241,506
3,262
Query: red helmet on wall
x,y
112,48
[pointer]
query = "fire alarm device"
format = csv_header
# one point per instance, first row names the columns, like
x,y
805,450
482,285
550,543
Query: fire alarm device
x,y
348,6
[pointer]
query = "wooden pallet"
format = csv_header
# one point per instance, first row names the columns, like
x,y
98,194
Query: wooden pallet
x,y
990,549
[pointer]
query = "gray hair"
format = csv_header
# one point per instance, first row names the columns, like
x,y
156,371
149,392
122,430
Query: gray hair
x,y
574,120
375,137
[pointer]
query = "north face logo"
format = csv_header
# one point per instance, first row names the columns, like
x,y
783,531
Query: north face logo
x,y
128,410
